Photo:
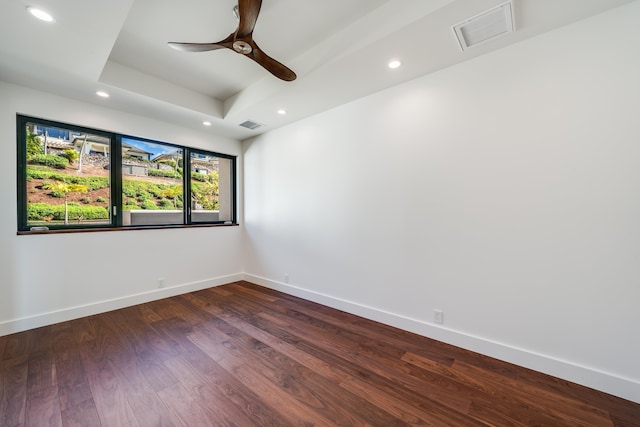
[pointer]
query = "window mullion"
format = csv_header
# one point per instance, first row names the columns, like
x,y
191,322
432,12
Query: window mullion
x,y
115,167
186,175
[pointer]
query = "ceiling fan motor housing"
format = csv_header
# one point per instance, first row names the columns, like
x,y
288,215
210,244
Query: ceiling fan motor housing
x,y
242,47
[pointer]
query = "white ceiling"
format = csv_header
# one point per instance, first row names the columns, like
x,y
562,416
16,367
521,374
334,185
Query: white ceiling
x,y
338,48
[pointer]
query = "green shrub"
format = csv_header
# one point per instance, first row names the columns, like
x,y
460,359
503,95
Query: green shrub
x,y
163,173
88,212
169,162
149,204
165,204
34,145
130,207
200,176
36,173
86,200
143,194
154,190
50,160
70,154
101,200
129,189
54,193
91,182
43,211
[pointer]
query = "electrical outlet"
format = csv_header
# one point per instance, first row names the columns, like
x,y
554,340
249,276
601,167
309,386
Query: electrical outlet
x,y
438,316
161,282
286,278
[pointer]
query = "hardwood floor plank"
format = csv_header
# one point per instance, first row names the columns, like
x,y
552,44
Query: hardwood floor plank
x,y
40,341
144,339
108,395
83,414
41,372
347,347
258,365
147,314
3,345
148,409
73,387
43,407
244,355
187,409
497,406
316,364
410,413
13,397
353,366
83,330
565,411
217,377
466,403
206,395
170,308
17,345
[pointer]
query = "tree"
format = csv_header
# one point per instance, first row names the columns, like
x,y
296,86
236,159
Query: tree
x,y
34,144
82,149
70,154
65,188
172,193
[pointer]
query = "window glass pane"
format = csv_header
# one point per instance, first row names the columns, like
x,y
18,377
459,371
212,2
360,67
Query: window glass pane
x,y
211,188
152,189
65,187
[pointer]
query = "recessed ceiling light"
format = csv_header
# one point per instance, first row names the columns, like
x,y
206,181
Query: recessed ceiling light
x,y
102,94
40,14
282,112
395,64
206,123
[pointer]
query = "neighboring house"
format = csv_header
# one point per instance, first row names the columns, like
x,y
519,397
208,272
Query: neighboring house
x,y
94,144
91,144
99,145
129,150
166,156
53,138
203,164
200,163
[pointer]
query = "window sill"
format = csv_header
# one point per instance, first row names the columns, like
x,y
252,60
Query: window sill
x,y
140,227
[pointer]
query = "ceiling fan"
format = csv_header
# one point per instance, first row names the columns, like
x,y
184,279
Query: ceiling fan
x,y
241,41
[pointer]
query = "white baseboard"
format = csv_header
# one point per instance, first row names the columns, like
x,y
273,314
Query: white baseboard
x,y
586,376
43,319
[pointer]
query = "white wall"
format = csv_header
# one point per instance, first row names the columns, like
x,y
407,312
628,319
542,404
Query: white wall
x,y
49,278
504,191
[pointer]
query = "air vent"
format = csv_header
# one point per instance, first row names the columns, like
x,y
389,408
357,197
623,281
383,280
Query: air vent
x,y
250,124
485,26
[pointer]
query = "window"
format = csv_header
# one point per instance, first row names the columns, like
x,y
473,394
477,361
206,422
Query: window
x,y
152,183
71,177
211,198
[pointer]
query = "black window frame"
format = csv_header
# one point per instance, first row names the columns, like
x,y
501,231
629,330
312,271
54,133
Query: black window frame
x,y
115,177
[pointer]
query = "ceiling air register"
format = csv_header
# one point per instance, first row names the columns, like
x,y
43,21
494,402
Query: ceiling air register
x,y
485,26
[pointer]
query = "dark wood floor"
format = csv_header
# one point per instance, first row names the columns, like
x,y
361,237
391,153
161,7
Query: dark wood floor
x,y
244,355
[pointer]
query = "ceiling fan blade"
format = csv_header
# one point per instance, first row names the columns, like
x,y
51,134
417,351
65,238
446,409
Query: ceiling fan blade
x,y
241,41
271,65
248,11
197,47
